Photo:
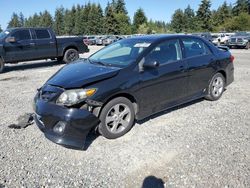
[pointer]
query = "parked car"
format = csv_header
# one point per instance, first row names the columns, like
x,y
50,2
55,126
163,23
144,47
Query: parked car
x,y
109,40
206,36
99,40
127,81
25,44
239,40
221,38
89,40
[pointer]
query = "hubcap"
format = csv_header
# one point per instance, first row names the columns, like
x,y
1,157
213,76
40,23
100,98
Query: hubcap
x,y
118,118
72,56
218,86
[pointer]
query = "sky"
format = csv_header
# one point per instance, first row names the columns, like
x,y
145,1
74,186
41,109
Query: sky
x,y
154,9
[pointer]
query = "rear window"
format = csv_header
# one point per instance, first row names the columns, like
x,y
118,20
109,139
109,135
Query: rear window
x,y
42,34
195,47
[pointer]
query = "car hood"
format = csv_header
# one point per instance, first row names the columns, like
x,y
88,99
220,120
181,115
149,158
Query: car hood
x,y
81,73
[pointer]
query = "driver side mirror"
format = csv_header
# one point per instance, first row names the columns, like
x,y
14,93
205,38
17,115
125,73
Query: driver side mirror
x,y
10,39
151,64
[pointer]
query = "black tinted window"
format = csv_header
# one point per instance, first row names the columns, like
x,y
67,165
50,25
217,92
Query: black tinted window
x,y
21,35
166,52
195,47
42,34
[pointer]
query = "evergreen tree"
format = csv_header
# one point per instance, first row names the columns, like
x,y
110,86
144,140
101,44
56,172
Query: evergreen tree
x,y
139,19
204,15
1,29
46,19
78,20
178,21
59,21
241,6
238,23
69,21
120,7
95,19
21,19
189,19
111,25
15,21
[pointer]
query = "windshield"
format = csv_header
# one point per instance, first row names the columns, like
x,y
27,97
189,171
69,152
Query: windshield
x,y
121,53
4,34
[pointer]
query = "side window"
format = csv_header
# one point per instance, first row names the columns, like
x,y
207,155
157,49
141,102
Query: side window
x,y
165,52
21,35
195,47
42,34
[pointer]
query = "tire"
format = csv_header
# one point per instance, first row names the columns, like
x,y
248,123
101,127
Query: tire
x,y
117,118
70,55
2,65
247,46
216,87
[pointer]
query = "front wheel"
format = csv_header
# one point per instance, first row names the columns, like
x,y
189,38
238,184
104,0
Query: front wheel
x,y
216,87
117,118
70,55
248,46
1,66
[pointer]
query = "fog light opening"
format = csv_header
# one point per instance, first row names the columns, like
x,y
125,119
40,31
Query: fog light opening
x,y
59,127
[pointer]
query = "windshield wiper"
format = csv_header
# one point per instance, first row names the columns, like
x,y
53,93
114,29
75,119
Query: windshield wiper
x,y
97,62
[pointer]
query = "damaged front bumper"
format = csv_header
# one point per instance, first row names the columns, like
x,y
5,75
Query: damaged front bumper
x,y
64,126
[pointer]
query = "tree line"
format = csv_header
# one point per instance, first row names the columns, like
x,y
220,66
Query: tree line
x,y
91,19
227,17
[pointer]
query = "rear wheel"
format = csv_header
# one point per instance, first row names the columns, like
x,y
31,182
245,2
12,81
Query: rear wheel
x,y
248,45
117,118
70,55
1,65
216,87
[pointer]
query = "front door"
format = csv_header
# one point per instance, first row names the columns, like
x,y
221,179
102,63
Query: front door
x,y
165,85
22,49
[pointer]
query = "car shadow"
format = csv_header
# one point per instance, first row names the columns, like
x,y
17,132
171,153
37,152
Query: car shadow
x,y
169,110
94,135
28,65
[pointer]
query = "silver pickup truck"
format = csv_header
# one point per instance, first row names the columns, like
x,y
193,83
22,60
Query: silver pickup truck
x,y
239,40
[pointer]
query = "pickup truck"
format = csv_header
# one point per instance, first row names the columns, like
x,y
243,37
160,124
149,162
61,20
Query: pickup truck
x,y
240,40
26,44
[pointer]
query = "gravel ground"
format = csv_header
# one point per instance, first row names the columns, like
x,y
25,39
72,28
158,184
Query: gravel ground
x,y
201,144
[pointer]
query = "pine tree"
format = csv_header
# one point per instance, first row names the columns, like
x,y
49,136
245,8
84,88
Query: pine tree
x,y
1,29
139,19
21,19
78,20
46,19
95,18
178,21
59,21
241,6
222,14
189,17
15,21
111,25
69,21
204,15
120,7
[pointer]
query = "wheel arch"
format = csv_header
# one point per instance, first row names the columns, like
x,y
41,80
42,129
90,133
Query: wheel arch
x,y
128,96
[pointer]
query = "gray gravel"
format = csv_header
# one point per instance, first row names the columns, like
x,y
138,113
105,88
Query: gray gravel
x,y
203,144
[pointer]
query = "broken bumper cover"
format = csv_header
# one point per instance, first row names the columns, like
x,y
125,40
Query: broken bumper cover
x,y
75,123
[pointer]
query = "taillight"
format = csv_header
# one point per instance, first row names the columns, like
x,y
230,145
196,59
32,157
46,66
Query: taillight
x,y
231,58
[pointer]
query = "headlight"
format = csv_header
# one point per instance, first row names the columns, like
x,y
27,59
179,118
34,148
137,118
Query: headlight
x,y
245,40
74,96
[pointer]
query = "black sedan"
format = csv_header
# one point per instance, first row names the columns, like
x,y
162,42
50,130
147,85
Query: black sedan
x,y
127,81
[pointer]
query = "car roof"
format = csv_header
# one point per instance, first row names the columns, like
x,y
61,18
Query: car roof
x,y
155,38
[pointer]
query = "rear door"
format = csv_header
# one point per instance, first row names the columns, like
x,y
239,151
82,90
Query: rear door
x,y
22,49
45,44
165,85
200,61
